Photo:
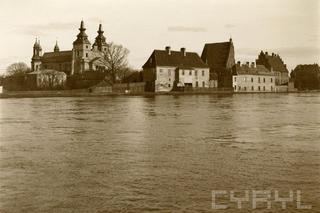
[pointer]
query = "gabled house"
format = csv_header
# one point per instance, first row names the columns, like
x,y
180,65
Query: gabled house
x,y
167,70
220,58
274,63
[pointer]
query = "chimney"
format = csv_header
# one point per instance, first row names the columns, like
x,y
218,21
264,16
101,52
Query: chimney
x,y
252,65
238,63
273,54
168,50
183,51
248,63
266,53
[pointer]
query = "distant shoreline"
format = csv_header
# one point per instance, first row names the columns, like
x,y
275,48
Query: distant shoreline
x,y
86,93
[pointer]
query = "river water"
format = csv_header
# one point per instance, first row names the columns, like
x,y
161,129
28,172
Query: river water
x,y
158,153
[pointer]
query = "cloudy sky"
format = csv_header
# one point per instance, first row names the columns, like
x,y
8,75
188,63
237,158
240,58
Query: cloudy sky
x,y
288,27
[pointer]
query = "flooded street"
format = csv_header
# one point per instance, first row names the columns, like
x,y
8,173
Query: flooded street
x,y
157,154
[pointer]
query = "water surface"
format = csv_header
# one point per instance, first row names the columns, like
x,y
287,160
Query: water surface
x,y
160,153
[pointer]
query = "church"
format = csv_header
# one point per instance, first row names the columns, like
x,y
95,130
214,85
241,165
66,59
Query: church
x,y
83,57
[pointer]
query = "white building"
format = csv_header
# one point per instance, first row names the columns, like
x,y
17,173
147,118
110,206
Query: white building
x,y
251,78
167,70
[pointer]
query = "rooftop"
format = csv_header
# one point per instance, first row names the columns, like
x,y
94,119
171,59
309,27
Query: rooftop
x,y
175,58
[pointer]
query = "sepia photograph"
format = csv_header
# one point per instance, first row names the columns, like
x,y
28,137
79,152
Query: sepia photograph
x,y
169,106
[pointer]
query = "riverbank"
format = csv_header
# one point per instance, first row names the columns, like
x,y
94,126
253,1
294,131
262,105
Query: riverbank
x,y
86,93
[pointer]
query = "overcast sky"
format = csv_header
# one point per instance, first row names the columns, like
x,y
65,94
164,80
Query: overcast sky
x,y
288,27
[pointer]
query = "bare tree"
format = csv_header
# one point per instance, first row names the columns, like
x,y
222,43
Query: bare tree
x,y
18,68
116,61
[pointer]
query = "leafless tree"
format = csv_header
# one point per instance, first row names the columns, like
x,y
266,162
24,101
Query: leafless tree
x,y
116,61
18,68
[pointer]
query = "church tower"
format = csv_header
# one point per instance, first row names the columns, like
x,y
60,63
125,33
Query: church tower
x,y
100,42
36,57
81,51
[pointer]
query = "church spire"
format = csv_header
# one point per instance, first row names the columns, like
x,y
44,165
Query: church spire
x,y
56,47
100,41
82,37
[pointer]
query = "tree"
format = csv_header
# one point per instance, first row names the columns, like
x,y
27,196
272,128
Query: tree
x,y
17,69
116,61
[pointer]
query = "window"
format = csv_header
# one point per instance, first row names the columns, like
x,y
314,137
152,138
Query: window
x,y
190,72
235,87
105,49
182,72
271,79
87,55
169,79
259,88
169,85
160,70
197,84
245,88
251,79
202,72
264,88
196,72
87,47
259,79
264,80
169,71
239,88
203,84
235,79
252,88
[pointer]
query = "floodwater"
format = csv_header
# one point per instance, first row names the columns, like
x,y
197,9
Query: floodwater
x,y
159,153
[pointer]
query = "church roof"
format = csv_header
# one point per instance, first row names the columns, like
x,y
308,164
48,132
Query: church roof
x,y
62,56
216,54
175,59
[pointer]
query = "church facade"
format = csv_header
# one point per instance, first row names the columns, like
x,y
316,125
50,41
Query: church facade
x,y
83,56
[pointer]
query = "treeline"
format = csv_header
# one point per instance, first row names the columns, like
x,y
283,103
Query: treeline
x,y
306,77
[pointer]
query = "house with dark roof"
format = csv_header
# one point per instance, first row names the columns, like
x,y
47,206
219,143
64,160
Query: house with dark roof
x,y
220,58
167,70
83,57
252,78
275,64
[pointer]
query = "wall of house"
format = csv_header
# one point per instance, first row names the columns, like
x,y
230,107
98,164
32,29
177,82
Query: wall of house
x,y
165,78
198,77
253,83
